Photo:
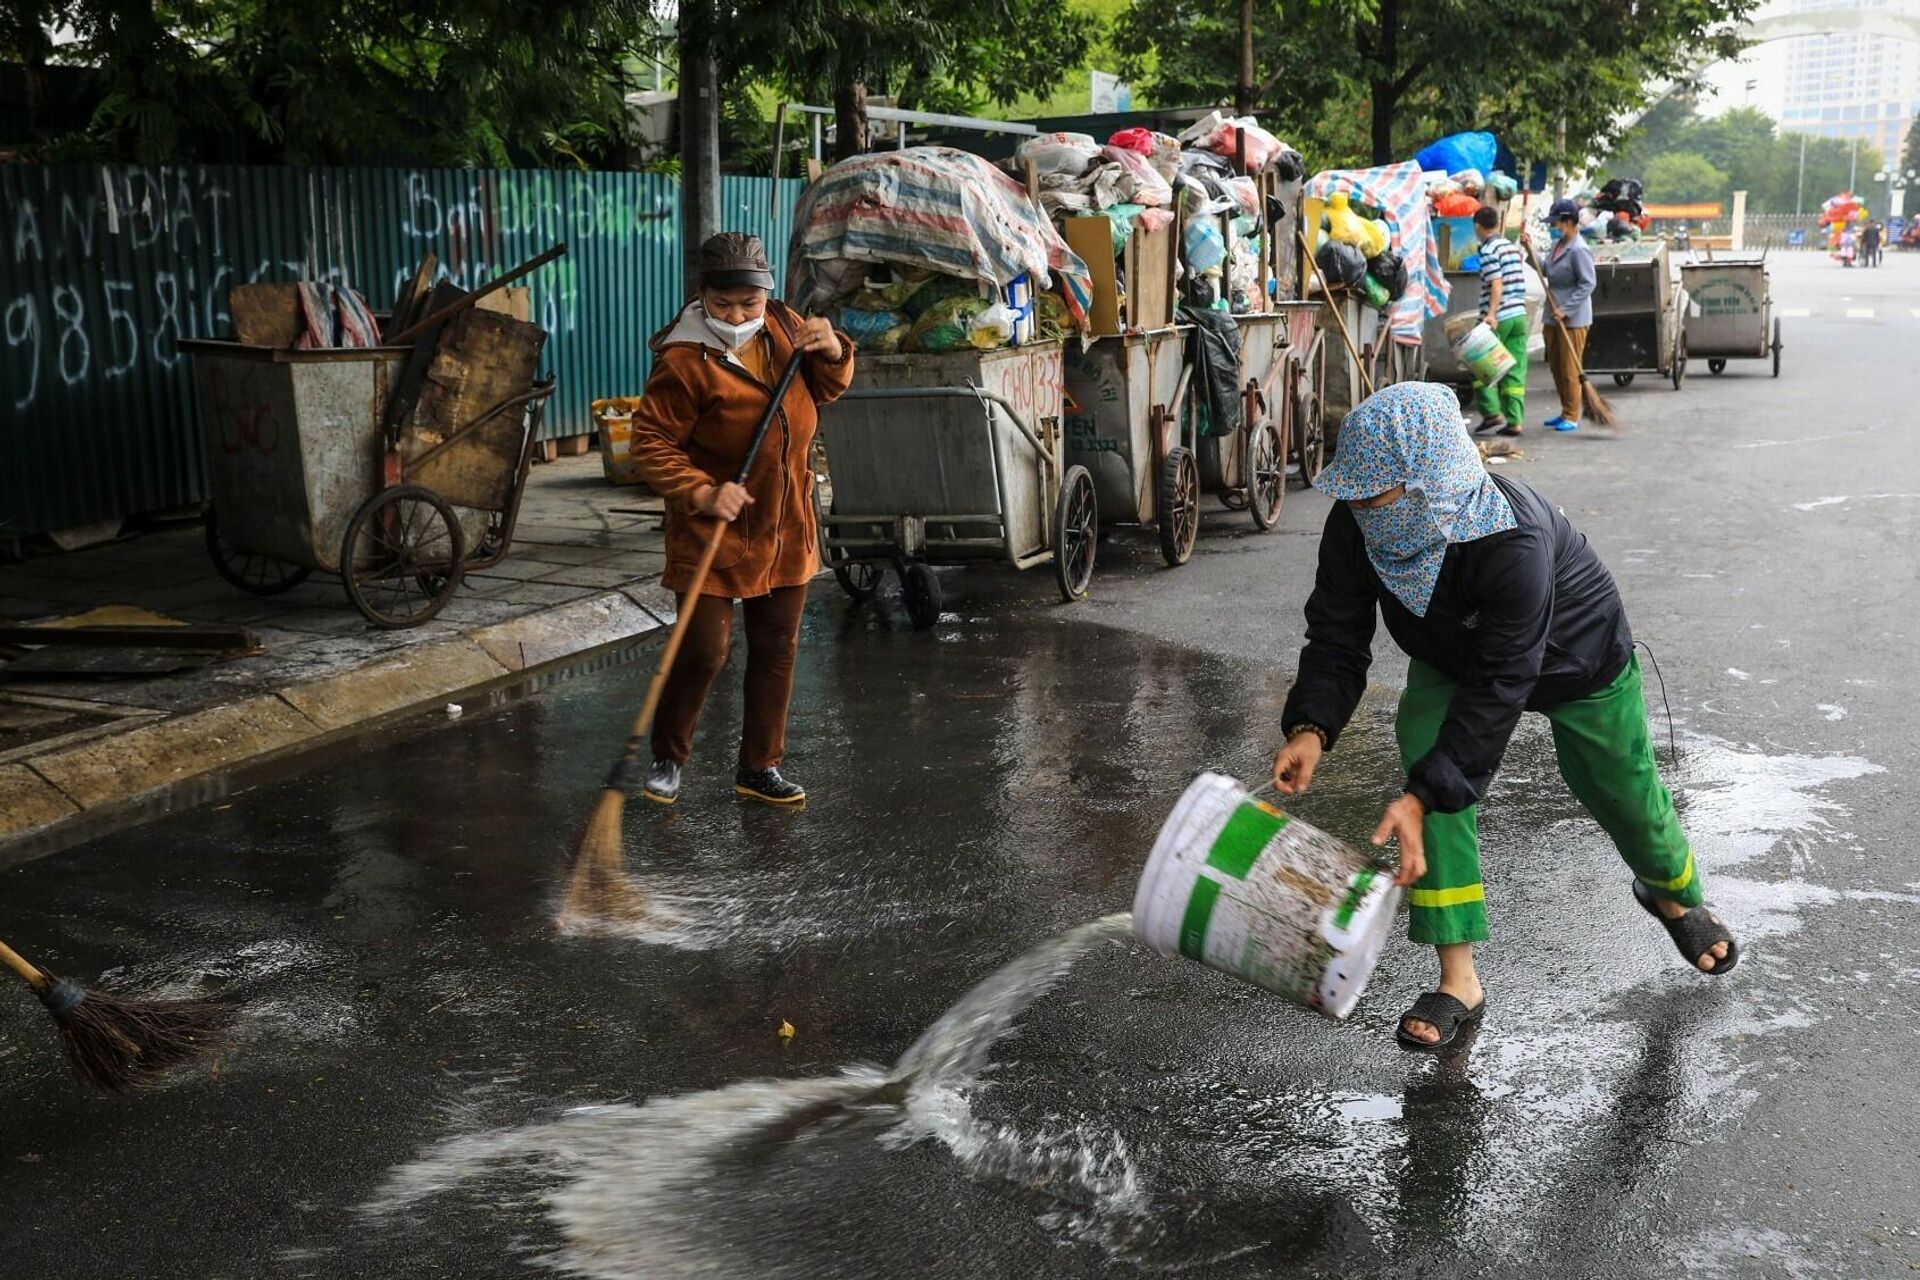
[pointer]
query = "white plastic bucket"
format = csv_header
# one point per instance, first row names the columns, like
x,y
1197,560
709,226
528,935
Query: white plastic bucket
x,y
1479,349
1254,892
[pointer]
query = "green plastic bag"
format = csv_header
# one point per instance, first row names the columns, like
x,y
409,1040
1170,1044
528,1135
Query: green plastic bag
x,y
1375,293
947,324
938,290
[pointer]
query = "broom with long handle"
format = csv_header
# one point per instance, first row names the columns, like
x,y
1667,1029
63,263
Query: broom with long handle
x,y
114,1043
1366,379
1596,404
597,889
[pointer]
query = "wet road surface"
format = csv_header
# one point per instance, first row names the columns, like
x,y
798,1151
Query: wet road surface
x,y
404,1094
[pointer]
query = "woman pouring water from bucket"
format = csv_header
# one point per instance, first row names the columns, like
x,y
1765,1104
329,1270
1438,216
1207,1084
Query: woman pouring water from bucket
x,y
1502,607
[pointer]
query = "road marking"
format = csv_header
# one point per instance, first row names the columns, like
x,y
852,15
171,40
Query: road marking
x,y
1859,313
1795,313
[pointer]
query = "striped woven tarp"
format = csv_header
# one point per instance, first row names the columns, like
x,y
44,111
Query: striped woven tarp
x,y
931,207
1399,192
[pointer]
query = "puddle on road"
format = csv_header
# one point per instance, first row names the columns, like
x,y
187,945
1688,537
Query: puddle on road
x,y
1608,1052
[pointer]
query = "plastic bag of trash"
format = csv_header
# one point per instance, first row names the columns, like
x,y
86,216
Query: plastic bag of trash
x,y
936,291
1375,293
1142,182
991,328
948,324
1205,248
1341,265
1066,153
1471,181
1459,151
1348,227
865,326
1390,269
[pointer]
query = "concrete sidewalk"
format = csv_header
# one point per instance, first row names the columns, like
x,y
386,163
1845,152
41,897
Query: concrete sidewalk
x,y
581,575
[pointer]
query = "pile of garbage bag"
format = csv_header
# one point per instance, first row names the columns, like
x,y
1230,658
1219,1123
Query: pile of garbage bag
x,y
1615,211
926,249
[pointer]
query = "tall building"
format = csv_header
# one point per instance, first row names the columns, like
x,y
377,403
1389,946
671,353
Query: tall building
x,y
1851,85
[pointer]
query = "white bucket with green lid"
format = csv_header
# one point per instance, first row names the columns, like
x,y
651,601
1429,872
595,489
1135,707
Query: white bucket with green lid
x,y
1252,891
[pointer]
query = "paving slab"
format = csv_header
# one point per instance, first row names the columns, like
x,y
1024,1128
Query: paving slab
x,y
28,800
554,634
394,683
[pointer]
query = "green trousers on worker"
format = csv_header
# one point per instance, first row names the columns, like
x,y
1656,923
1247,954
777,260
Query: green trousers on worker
x,y
1606,756
1508,397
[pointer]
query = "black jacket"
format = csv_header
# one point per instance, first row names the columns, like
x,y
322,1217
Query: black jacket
x,y
1522,620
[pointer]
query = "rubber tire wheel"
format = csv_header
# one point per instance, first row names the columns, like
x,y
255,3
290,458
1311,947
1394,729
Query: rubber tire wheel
x,y
860,579
285,575
1178,506
920,592
438,584
1776,348
1309,415
1716,366
1266,474
1076,534
1679,371
1622,379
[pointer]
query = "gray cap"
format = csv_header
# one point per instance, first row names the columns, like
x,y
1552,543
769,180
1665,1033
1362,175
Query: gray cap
x,y
734,259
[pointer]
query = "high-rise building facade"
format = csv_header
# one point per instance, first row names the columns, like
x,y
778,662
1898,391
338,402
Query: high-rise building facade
x,y
1849,84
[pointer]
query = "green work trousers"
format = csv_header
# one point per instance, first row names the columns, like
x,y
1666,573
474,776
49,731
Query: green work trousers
x,y
1606,756
1508,397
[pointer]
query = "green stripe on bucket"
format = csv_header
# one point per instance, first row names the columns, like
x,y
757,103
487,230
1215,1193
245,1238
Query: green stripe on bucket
x,y
1193,926
1362,882
1239,843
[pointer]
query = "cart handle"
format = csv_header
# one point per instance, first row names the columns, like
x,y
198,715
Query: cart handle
x,y
970,391
524,398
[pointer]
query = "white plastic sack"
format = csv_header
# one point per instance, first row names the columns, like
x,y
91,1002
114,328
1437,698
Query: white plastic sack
x,y
1142,182
1071,154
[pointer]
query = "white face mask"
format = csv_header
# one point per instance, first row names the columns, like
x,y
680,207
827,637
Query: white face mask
x,y
734,335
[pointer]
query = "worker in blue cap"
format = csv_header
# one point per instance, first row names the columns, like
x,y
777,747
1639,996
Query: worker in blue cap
x,y
1569,279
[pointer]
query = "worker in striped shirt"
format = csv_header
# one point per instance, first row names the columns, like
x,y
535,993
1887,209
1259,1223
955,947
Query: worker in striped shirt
x,y
1503,305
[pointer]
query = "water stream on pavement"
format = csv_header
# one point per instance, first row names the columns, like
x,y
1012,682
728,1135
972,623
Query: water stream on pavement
x,y
638,1184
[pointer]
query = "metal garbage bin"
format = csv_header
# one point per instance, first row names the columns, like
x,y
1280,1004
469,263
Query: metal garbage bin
x,y
1729,311
1637,305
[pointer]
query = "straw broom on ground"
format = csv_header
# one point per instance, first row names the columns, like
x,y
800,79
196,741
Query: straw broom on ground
x,y
114,1043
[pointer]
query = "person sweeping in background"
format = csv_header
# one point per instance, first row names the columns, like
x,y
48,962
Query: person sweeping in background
x,y
1503,608
1570,280
1503,305
714,370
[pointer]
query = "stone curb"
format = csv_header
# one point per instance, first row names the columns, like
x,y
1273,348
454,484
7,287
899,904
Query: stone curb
x,y
43,794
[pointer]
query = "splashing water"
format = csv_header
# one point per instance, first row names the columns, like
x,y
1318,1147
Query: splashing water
x,y
632,1189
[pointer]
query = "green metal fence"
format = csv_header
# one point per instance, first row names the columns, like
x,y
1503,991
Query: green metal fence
x,y
103,267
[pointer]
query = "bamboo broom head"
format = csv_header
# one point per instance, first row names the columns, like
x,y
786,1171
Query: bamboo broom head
x,y
115,1043
599,888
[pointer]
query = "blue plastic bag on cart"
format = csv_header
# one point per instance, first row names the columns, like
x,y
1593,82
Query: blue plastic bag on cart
x,y
1459,151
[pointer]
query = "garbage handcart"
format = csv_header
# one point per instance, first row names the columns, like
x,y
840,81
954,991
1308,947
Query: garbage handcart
x,y
1637,309
310,472
954,458
1729,311
1131,427
1281,357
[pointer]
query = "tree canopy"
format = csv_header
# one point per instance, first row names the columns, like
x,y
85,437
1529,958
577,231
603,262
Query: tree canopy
x,y
1749,154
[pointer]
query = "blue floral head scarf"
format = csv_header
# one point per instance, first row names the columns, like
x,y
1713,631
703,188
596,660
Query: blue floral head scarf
x,y
1412,434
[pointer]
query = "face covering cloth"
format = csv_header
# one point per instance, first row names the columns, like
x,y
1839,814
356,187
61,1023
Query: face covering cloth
x,y
1411,434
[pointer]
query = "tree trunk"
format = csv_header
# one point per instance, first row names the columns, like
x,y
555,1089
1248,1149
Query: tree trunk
x,y
1244,96
850,120
1386,92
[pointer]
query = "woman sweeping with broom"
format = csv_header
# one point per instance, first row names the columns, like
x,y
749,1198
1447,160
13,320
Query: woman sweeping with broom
x,y
1503,608
716,368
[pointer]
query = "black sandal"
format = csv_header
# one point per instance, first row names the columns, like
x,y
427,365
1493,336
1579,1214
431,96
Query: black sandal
x,y
1445,1014
1694,933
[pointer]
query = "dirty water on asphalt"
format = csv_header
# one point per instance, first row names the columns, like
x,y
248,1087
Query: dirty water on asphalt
x,y
511,1100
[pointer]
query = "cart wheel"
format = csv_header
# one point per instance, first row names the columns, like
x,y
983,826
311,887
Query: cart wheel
x,y
401,557
1716,365
859,578
920,590
1309,413
248,570
1075,533
1776,348
1679,373
1178,512
1622,379
1266,474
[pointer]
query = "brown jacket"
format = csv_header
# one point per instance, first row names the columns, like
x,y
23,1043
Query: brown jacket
x,y
693,427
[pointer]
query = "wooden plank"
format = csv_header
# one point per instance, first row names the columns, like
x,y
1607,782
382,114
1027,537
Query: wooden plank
x,y
1092,238
178,636
1151,300
266,315
515,302
410,304
482,359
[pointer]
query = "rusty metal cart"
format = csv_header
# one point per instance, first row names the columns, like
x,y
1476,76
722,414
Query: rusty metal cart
x,y
953,458
1637,309
1280,358
306,476
1729,311
1132,426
